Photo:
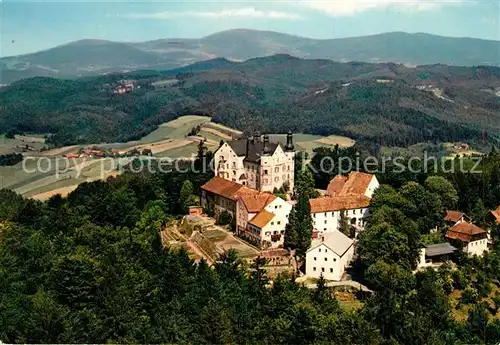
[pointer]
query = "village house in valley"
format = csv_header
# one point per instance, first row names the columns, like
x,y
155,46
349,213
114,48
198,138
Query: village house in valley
x,y
468,236
257,163
329,255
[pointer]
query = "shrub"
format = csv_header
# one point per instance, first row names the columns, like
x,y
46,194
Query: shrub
x,y
459,279
224,218
469,296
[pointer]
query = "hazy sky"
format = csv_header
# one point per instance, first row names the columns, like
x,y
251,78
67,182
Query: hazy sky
x,y
28,26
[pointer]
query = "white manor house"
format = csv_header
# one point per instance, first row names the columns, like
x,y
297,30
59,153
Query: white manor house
x,y
257,163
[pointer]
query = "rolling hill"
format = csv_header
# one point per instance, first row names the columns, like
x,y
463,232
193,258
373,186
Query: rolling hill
x,y
91,57
373,103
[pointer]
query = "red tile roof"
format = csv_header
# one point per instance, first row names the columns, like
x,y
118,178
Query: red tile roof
x,y
336,184
255,202
261,219
496,214
355,184
454,216
338,203
464,231
227,189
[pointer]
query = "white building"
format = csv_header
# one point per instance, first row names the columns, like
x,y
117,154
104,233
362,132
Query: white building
x,y
262,218
329,255
348,194
259,217
326,212
468,236
258,164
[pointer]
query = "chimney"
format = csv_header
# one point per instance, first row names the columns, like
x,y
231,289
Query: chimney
x,y
248,144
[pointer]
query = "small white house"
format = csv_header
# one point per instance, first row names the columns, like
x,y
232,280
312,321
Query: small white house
x,y
329,255
471,238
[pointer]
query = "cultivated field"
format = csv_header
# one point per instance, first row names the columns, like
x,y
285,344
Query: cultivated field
x,y
21,143
168,140
308,142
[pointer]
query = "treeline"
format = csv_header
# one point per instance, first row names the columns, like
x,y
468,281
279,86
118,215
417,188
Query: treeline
x,y
10,159
476,179
91,268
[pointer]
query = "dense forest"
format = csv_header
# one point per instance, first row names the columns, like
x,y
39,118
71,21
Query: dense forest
x,y
369,102
90,268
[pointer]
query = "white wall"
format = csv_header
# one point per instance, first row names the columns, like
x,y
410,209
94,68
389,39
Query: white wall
x,y
477,247
421,258
374,184
331,220
322,260
279,169
281,209
233,168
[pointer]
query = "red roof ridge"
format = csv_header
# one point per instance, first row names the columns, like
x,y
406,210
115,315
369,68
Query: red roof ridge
x,y
464,231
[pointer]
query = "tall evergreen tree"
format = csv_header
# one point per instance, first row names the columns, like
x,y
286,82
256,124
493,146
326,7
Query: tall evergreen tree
x,y
304,184
304,226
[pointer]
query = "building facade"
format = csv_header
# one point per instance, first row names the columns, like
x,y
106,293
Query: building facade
x,y
329,255
326,212
267,227
259,217
257,163
348,195
219,195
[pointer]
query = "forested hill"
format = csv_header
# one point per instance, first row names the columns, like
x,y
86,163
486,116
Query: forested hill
x,y
387,103
93,57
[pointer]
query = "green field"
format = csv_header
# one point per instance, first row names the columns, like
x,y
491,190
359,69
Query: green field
x,y
173,133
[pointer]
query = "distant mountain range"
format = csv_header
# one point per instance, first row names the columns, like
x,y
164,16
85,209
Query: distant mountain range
x,y
93,57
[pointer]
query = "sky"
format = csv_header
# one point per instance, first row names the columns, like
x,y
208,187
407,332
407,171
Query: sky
x,y
29,26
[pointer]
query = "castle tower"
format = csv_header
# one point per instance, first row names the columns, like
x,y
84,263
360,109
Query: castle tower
x,y
266,150
290,153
